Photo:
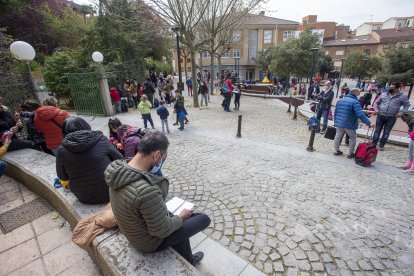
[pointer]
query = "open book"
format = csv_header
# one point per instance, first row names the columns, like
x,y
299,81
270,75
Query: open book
x,y
176,205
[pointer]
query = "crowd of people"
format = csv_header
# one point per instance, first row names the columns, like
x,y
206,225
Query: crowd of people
x,y
390,103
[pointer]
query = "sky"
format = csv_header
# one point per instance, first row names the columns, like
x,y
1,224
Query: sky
x,y
347,12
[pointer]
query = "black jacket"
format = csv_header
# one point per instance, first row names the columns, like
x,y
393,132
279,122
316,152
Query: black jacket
x,y
82,158
6,121
325,99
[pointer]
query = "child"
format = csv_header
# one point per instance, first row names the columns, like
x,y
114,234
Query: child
x,y
130,137
179,101
162,111
145,108
409,165
113,125
167,95
180,110
237,94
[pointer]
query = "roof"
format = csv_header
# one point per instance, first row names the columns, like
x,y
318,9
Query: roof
x,y
357,40
394,35
267,20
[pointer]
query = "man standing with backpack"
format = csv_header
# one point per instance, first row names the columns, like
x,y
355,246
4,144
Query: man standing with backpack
x,y
325,103
227,90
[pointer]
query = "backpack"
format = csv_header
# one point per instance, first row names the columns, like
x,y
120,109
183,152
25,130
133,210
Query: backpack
x,y
313,122
225,88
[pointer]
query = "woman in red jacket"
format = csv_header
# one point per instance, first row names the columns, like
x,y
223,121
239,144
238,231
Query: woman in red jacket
x,y
49,120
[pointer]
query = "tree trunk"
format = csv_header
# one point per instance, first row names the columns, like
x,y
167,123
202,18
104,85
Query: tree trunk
x,y
201,65
219,67
185,68
194,78
212,76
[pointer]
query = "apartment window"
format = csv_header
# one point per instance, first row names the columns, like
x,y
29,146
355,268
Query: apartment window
x,y
236,53
225,55
367,52
206,54
408,23
236,36
267,37
339,53
288,34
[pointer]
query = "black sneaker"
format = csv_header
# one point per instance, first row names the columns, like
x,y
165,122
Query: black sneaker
x,y
176,124
197,257
338,152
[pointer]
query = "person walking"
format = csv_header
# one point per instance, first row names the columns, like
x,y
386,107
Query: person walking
x,y
387,108
162,111
189,84
347,112
145,108
237,95
203,91
325,102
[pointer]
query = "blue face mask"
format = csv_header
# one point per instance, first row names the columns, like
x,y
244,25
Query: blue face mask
x,y
157,169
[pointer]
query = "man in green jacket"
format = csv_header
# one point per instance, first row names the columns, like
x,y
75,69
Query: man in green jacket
x,y
138,193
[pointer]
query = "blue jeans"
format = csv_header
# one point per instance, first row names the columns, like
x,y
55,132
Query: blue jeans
x,y
3,167
386,123
228,100
325,113
147,117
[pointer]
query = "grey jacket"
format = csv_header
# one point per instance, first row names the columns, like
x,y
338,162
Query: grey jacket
x,y
138,203
390,106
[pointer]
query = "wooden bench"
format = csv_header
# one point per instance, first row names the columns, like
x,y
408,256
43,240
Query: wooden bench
x,y
111,251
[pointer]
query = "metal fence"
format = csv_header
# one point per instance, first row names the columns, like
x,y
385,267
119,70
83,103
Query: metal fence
x,y
86,96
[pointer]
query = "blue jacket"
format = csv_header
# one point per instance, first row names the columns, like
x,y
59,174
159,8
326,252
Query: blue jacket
x,y
347,111
162,111
325,99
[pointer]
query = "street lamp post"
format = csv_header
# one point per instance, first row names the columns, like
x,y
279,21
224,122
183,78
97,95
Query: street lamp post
x,y
180,85
364,61
236,67
25,52
103,84
314,51
340,76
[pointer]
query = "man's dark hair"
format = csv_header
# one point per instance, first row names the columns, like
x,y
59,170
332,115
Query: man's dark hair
x,y
153,141
73,124
30,105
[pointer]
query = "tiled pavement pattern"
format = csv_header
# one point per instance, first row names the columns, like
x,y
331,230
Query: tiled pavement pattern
x,y
41,247
281,208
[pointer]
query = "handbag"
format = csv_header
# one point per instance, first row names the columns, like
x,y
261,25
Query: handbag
x,y
330,133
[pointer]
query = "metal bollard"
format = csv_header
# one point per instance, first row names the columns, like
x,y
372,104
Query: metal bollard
x,y
311,139
239,127
290,104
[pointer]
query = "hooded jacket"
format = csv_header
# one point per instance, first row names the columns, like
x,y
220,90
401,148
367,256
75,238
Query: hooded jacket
x,y
138,204
130,140
82,159
44,124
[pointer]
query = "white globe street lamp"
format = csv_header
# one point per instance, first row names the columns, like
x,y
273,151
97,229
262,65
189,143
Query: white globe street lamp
x,y
97,57
22,51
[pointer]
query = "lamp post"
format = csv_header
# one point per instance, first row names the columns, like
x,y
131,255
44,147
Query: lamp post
x,y
340,76
236,67
180,85
314,51
23,51
103,84
364,61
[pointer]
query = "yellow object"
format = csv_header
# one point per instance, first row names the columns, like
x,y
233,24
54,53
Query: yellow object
x,y
64,183
265,80
3,150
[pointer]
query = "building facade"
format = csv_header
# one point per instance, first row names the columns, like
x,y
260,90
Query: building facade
x,y
330,30
392,23
260,33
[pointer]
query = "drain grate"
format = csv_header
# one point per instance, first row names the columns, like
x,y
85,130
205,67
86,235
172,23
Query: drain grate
x,y
23,214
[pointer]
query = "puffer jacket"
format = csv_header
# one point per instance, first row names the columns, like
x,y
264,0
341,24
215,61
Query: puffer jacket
x,y
44,124
130,141
82,159
390,106
138,203
347,111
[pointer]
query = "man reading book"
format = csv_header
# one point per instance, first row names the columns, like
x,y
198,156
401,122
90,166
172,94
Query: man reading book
x,y
138,193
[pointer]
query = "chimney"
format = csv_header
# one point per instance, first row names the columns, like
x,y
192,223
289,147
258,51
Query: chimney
x,y
262,13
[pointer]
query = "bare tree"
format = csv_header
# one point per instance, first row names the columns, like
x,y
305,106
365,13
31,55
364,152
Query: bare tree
x,y
186,15
220,22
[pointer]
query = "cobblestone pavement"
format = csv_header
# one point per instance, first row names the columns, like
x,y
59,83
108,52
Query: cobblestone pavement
x,y
286,210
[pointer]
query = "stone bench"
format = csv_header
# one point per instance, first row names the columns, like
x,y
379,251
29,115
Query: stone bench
x,y
111,251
